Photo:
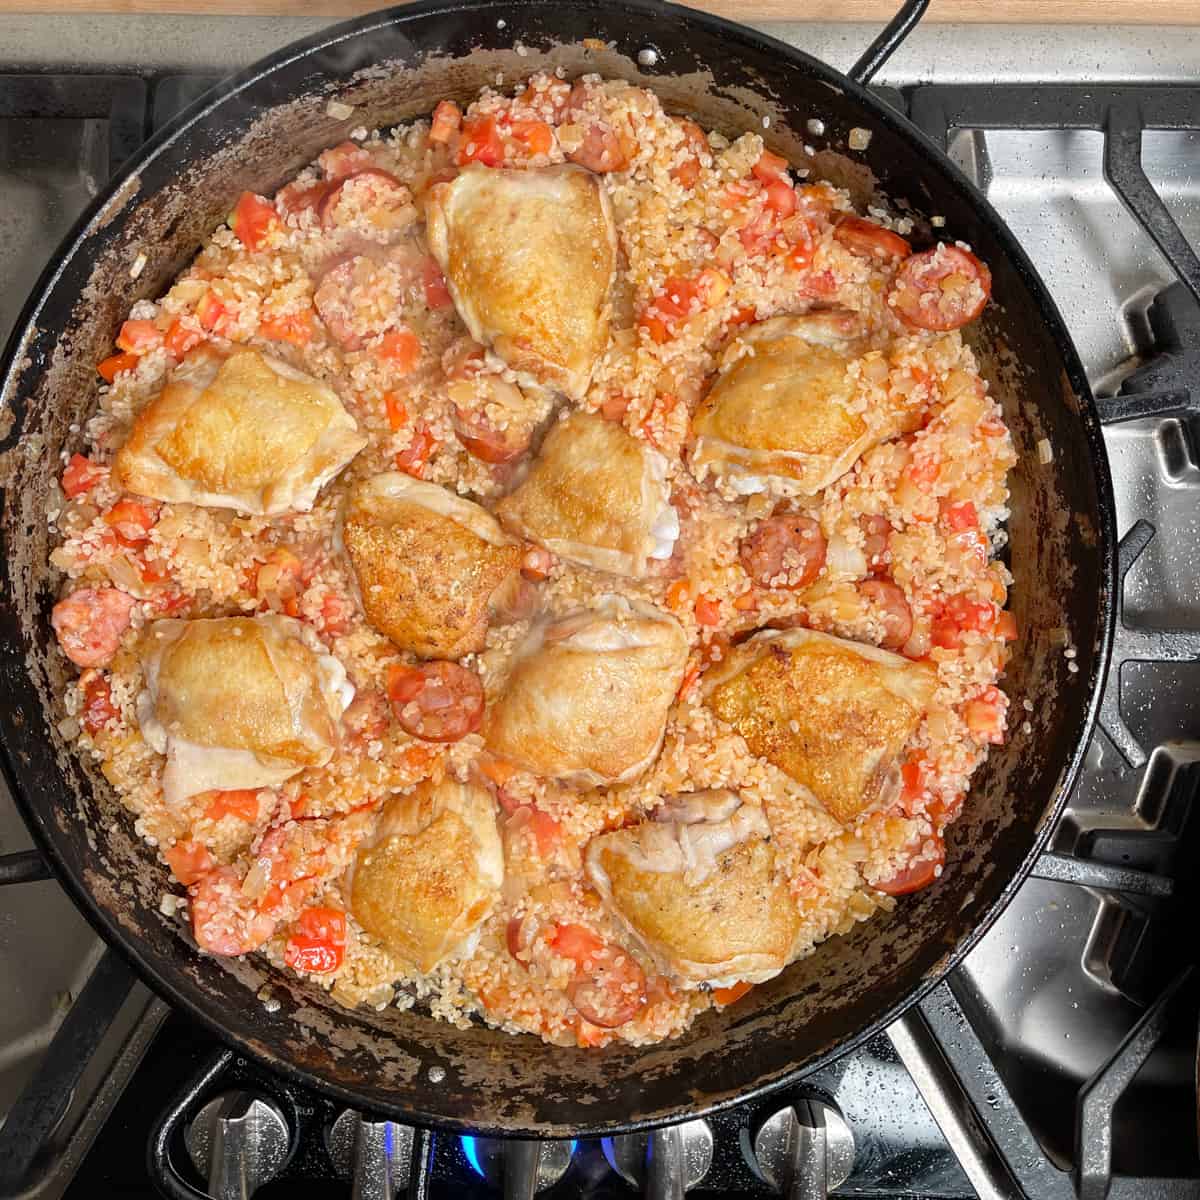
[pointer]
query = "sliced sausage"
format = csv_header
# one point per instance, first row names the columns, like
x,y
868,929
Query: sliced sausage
x,y
892,609
90,623
876,532
223,920
940,289
611,990
869,240
784,551
437,701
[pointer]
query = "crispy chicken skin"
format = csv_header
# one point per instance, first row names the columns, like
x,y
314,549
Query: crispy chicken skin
x,y
431,873
834,715
245,431
697,886
529,257
597,496
587,698
238,702
428,563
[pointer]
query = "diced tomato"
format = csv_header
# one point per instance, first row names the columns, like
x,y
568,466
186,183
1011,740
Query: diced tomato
x,y
690,676
181,338
731,995
346,158
923,471
870,240
945,633
189,861
536,136
447,118
336,614
317,943
139,337
940,289
655,326
296,328
708,611
547,832
913,775
98,708
130,521
961,517
687,172
917,875
112,366
770,168
744,316
400,348
514,939
576,942
239,802
677,594
420,450
781,198
746,602
985,716
481,142
815,200
209,311
976,615
397,414
802,243
252,220
615,406
760,233
1006,626
81,475
536,564
437,294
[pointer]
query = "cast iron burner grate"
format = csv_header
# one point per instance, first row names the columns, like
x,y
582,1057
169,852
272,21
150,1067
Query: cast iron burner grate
x,y
1138,946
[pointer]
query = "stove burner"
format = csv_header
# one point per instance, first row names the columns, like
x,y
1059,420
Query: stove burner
x,y
805,1151
520,1169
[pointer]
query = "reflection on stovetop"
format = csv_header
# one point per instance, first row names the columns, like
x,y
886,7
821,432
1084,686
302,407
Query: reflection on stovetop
x,y
1058,1060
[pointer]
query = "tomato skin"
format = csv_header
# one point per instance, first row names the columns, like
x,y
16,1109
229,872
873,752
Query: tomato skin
x,y
420,450
912,773
961,517
726,996
481,142
781,198
447,120
397,414
401,348
253,220
869,240
98,708
238,802
189,861
180,339
687,173
210,312
317,943
535,136
917,875
708,611
1006,626
770,168
437,293
131,521
138,337
985,716
295,328
80,475
112,366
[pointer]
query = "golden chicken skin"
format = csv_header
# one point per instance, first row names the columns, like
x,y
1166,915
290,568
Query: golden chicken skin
x,y
596,496
785,411
834,715
529,257
243,431
431,873
238,702
697,886
587,698
430,566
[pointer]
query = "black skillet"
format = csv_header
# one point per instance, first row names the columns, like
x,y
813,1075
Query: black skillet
x,y
254,132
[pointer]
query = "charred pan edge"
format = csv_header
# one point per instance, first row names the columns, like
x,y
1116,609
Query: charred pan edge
x,y
273,117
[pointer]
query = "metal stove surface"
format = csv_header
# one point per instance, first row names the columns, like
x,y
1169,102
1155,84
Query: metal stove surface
x,y
1067,973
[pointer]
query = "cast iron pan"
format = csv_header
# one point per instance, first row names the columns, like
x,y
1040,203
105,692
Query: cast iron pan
x,y
257,130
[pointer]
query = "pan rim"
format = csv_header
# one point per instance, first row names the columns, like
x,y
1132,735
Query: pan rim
x,y
738,37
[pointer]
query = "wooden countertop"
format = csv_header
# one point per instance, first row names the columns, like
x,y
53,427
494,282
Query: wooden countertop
x,y
1081,12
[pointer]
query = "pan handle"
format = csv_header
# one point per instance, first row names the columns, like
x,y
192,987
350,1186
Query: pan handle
x,y
888,41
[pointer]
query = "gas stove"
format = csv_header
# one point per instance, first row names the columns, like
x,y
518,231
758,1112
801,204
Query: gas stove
x,y
1060,1058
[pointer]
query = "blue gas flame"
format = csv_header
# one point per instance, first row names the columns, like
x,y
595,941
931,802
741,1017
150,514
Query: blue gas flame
x,y
471,1150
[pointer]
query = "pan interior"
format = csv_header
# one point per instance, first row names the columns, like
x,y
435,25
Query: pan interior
x,y
268,124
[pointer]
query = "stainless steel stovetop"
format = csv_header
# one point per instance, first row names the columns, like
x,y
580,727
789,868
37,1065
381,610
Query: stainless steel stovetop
x,y
978,1090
